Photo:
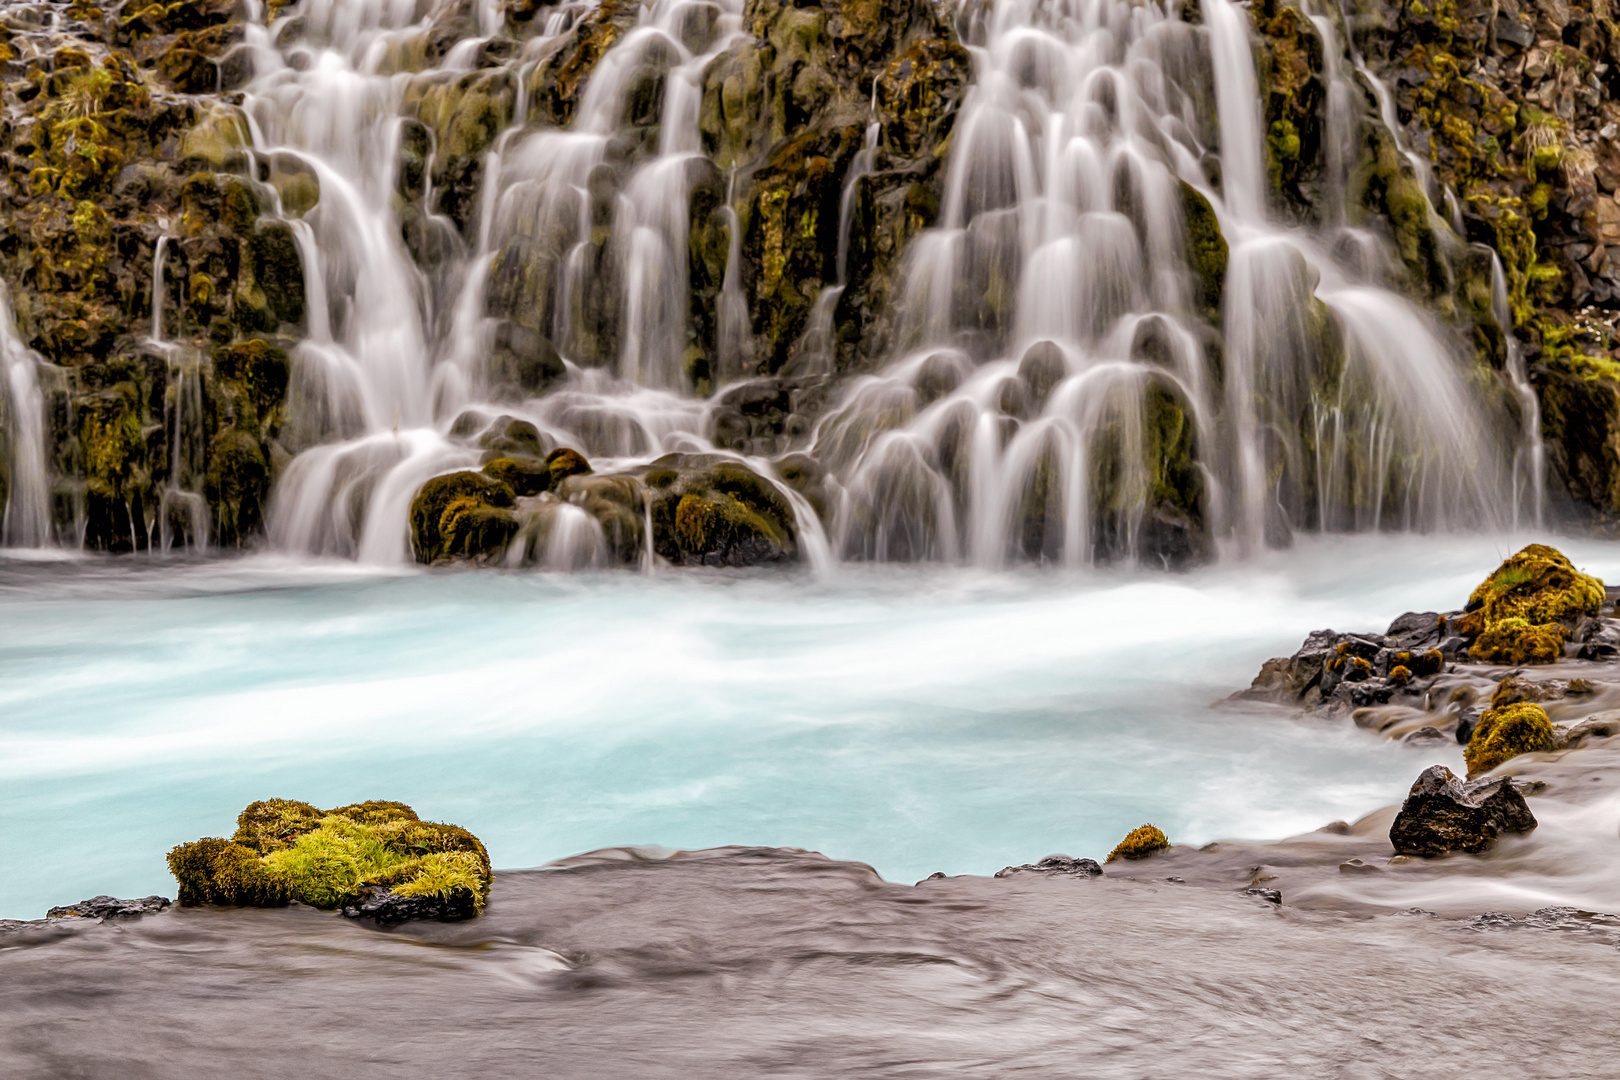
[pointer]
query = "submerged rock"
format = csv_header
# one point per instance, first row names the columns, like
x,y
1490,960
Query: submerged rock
x,y
1056,864
1442,814
377,858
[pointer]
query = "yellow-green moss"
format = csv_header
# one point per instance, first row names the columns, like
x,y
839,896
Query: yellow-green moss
x,y
1139,843
287,850
1505,733
1538,585
1519,641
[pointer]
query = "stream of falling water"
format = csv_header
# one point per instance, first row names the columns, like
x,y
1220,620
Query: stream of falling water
x,y
1056,360
27,503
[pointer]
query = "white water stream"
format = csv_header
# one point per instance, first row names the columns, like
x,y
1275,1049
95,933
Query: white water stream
x,y
1046,319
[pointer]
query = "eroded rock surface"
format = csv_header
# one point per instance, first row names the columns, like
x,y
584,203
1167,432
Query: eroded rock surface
x,y
1443,814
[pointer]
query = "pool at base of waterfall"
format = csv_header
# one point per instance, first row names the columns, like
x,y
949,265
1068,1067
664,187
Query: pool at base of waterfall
x,y
918,719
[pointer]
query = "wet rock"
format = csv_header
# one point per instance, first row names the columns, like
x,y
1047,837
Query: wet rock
x,y
110,907
1060,865
386,908
713,512
1603,725
464,514
1270,896
1427,735
1443,814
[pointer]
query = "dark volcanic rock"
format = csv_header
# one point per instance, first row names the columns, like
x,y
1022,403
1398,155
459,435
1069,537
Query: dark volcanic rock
x,y
1056,864
390,909
1442,813
110,907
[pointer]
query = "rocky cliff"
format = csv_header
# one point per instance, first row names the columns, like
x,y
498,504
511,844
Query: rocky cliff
x,y
154,261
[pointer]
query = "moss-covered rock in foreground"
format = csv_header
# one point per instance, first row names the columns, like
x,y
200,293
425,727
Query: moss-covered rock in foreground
x,y
374,859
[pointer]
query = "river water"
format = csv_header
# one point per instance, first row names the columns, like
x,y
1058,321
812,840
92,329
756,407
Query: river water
x,y
916,719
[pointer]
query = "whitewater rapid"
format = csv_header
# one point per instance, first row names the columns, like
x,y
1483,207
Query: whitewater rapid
x,y
918,720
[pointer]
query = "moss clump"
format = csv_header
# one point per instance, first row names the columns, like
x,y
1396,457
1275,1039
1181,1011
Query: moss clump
x,y
1524,610
1428,663
1519,641
285,850
1538,585
1505,733
1207,250
1400,674
1139,843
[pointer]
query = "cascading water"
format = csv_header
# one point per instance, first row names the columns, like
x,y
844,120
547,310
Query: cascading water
x,y
1053,328
27,506
1067,386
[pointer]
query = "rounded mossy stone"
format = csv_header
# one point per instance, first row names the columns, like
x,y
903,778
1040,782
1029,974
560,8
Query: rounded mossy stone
x,y
286,850
1139,843
564,462
525,476
1505,733
1540,585
429,508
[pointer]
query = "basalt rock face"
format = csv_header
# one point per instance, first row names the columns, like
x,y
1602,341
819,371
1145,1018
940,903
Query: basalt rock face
x,y
117,137
1443,814
1517,106
822,132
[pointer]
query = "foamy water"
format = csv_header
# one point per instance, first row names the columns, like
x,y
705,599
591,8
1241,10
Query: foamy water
x,y
915,719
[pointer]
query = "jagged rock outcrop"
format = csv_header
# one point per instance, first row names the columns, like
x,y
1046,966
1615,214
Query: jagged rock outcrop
x,y
1443,814
117,138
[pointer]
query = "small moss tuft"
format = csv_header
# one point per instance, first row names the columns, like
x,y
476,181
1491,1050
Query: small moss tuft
x,y
1139,843
1505,733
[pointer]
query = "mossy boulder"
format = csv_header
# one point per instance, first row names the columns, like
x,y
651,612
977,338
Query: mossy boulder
x,y
1207,250
715,512
524,476
1507,732
462,515
1522,613
1139,843
285,851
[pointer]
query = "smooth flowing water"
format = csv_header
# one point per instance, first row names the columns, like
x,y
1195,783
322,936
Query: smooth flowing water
x,y
920,721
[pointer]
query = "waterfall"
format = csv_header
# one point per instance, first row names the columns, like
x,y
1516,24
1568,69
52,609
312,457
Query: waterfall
x,y
1073,377
1052,326
27,518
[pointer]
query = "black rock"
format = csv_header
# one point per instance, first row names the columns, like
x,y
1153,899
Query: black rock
x,y
1056,864
1269,895
1512,32
110,907
1468,722
1442,813
390,909
1426,736
1416,631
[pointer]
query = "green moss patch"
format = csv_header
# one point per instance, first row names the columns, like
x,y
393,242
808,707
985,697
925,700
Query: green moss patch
x,y
1505,733
285,851
1522,613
